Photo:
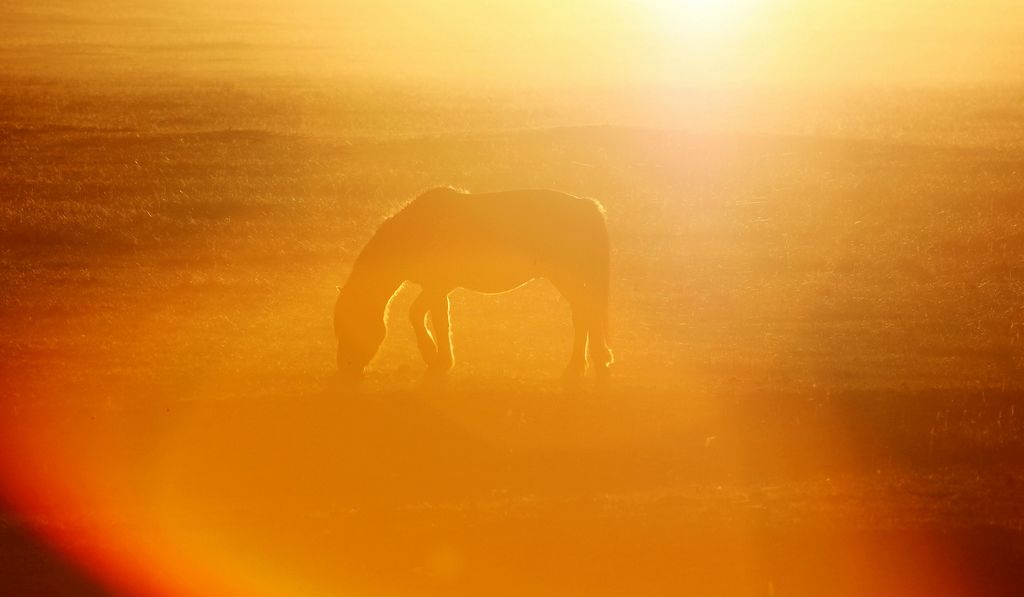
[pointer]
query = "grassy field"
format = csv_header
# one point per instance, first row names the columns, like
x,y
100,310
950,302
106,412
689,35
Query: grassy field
x,y
819,333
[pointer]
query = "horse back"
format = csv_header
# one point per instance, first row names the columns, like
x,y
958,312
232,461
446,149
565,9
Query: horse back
x,y
512,234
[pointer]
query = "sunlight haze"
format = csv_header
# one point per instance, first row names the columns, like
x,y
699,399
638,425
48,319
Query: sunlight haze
x,y
479,298
681,42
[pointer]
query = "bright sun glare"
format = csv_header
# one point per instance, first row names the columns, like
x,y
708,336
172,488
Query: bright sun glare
x,y
701,16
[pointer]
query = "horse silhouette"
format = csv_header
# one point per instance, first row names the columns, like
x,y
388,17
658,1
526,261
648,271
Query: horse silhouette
x,y
487,242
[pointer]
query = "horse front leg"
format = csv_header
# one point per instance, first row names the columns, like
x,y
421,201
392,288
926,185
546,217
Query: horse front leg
x,y
418,319
440,319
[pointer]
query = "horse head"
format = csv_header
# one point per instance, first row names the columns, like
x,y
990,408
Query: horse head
x,y
359,331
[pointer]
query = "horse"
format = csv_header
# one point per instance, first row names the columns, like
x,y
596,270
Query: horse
x,y
449,238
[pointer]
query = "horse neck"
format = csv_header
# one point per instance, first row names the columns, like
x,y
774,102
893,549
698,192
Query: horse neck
x,y
374,288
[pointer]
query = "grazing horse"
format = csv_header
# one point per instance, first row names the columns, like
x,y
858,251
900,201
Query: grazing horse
x,y
488,242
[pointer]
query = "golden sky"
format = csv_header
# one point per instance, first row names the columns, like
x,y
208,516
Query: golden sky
x,y
601,41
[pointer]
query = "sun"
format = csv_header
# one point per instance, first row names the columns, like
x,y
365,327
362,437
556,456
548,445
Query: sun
x,y
701,16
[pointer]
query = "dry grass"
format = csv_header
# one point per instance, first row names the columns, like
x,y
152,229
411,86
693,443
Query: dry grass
x,y
818,336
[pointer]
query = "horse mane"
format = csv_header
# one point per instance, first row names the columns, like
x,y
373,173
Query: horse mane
x,y
381,246
378,245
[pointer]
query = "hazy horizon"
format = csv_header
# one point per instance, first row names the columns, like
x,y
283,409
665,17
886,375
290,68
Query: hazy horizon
x,y
743,43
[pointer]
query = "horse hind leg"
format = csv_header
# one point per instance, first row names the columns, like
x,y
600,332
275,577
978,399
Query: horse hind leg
x,y
589,305
598,352
580,323
578,360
